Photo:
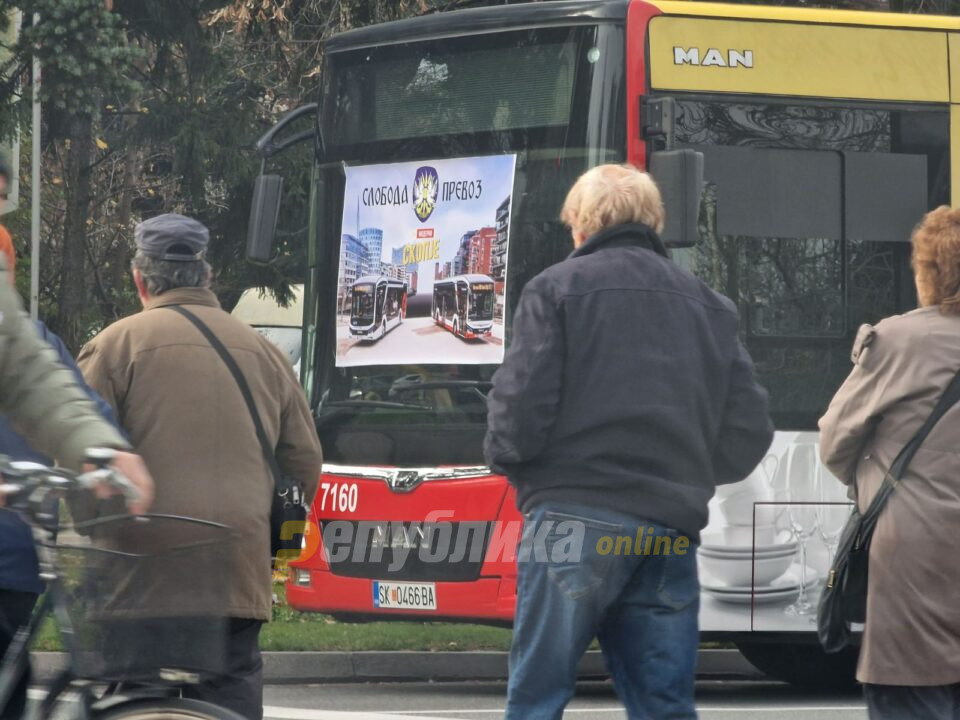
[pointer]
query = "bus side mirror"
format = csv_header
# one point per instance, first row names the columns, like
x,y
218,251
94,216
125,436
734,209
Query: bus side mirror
x,y
264,213
679,175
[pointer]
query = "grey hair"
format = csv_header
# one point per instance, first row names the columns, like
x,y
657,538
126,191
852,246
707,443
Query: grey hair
x,y
162,275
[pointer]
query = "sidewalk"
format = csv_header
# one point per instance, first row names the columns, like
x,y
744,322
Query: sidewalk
x,y
320,667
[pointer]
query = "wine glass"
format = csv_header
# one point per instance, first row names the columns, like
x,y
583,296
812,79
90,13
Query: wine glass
x,y
802,488
831,517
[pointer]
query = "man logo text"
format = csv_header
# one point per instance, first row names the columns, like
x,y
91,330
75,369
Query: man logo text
x,y
713,57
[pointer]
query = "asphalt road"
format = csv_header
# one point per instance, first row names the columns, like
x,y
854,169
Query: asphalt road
x,y
594,701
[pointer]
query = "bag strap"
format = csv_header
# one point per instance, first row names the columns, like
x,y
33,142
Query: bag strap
x,y
949,398
268,453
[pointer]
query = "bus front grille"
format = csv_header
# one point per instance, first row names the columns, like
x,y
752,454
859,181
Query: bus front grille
x,y
437,552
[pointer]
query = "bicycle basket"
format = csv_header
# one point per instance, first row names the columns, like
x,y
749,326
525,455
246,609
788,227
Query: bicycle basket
x,y
141,598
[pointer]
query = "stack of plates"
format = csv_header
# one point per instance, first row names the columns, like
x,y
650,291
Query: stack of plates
x,y
715,543
736,573
784,588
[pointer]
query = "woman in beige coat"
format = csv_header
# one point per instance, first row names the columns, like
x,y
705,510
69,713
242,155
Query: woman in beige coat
x,y
910,657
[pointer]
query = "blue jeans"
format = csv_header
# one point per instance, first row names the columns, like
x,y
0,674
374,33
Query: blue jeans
x,y
642,605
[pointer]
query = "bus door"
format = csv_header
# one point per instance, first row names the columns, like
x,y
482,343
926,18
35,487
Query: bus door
x,y
381,301
393,302
391,306
447,303
462,304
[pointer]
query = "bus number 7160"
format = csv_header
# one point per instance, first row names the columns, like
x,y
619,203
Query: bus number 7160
x,y
343,496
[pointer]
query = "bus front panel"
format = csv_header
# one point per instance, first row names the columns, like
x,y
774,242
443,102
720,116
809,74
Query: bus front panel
x,y
555,98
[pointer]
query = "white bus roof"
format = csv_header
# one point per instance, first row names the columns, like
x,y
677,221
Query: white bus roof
x,y
376,279
259,309
471,278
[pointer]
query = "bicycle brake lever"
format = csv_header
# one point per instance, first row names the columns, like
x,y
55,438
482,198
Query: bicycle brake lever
x,y
114,479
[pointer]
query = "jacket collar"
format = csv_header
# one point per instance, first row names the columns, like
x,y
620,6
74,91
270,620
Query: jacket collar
x,y
183,296
626,235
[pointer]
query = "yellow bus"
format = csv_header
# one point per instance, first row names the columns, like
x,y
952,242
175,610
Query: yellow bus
x,y
796,149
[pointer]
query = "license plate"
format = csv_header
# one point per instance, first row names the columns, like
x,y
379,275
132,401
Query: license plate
x,y
404,596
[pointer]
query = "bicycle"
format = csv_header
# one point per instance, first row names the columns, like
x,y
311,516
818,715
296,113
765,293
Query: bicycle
x,y
113,670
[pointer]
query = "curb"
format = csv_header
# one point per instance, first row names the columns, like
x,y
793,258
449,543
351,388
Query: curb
x,y
297,668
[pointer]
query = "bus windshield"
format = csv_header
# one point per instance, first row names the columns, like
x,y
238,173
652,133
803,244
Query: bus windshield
x,y
553,97
362,309
481,301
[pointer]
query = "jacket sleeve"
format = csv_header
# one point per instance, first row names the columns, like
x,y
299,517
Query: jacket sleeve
x,y
96,371
746,430
298,449
859,403
522,406
103,407
41,396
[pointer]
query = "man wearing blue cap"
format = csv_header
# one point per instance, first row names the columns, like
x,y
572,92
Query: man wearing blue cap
x,y
184,412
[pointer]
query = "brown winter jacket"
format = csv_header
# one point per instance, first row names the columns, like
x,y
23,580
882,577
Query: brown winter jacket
x,y
183,412
902,366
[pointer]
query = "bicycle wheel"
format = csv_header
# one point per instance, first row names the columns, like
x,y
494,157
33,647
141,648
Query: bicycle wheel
x,y
164,709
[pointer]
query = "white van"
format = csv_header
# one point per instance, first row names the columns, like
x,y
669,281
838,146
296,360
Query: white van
x,y
280,325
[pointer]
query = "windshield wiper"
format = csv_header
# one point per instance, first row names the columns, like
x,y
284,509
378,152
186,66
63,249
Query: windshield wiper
x,y
343,408
441,385
386,404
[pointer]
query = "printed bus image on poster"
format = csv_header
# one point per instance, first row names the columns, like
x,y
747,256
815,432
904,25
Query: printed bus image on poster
x,y
423,255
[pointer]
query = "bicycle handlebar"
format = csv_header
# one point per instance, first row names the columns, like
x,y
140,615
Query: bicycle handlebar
x,y
20,480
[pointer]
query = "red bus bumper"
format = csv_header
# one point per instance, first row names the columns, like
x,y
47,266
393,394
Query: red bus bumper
x,y
485,591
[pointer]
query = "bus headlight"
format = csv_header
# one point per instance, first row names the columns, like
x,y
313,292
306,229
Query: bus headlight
x,y
299,577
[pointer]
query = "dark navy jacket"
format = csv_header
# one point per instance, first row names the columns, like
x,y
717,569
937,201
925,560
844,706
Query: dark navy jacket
x,y
625,386
18,560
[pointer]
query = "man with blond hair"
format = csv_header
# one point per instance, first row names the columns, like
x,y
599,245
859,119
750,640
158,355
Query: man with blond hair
x,y
624,398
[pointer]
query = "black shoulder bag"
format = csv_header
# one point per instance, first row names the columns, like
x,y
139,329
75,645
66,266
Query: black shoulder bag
x,y
844,598
288,504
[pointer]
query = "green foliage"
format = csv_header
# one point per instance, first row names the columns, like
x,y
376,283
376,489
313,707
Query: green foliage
x,y
305,632
82,49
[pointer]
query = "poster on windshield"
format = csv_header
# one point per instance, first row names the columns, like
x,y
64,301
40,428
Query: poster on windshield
x,y
423,258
